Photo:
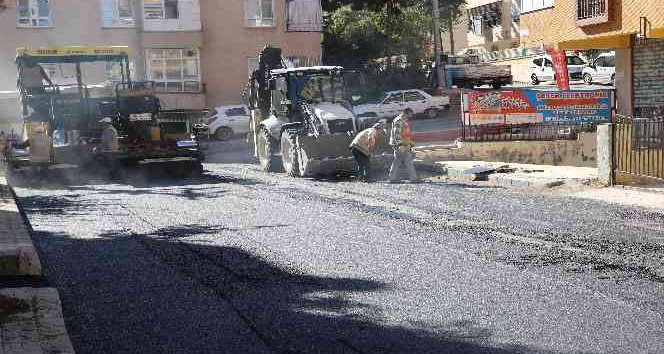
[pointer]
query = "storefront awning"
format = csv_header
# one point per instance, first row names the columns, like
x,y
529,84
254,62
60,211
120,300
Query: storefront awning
x,y
606,42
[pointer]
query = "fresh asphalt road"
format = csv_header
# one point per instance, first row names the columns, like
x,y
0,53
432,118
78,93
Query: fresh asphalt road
x,y
240,261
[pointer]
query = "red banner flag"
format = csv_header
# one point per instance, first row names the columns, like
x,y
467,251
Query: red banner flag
x,y
559,59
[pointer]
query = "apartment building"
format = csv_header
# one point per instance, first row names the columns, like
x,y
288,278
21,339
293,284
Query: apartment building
x,y
198,52
486,26
633,28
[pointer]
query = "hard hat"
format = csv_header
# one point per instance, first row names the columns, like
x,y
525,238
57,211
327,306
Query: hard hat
x,y
106,120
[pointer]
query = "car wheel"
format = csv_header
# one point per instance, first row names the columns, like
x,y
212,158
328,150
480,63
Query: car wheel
x,y
432,113
223,133
496,86
534,80
587,79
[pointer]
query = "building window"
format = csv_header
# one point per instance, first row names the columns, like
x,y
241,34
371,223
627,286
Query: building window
x,y
259,13
174,69
591,12
304,16
34,13
489,15
161,9
296,62
117,13
534,5
252,65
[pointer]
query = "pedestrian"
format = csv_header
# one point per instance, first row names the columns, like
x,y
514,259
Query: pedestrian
x,y
401,140
365,144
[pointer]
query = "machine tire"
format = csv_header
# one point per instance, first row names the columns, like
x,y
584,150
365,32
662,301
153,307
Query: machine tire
x,y
534,80
289,154
268,148
587,79
223,133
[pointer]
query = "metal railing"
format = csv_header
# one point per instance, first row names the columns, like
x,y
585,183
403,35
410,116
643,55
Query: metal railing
x,y
639,147
588,9
531,131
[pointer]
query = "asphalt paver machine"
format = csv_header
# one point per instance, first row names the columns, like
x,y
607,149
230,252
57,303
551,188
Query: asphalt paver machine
x,y
93,83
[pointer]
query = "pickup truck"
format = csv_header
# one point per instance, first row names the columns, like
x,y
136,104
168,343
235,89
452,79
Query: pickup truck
x,y
392,103
464,72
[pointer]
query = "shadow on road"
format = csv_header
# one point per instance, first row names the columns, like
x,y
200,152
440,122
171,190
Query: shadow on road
x,y
156,293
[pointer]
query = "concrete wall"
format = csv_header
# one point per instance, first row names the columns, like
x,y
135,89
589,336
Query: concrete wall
x,y
581,152
228,44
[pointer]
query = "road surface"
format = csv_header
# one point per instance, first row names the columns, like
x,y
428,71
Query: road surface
x,y
240,261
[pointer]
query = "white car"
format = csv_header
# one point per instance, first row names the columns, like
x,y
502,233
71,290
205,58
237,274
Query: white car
x,y
227,121
602,70
541,69
392,103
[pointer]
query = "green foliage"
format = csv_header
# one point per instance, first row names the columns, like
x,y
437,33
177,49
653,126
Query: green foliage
x,y
357,31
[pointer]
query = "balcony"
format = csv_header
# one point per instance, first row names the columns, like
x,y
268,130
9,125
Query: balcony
x,y
592,12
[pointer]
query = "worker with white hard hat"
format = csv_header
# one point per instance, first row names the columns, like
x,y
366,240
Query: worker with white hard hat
x,y
40,152
109,138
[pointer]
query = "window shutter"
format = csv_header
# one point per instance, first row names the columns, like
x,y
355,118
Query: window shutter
x,y
107,12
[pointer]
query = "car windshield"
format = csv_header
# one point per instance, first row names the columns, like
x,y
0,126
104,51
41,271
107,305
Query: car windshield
x,y
322,88
573,60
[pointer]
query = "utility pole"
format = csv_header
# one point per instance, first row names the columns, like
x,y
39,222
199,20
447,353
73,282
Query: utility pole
x,y
440,73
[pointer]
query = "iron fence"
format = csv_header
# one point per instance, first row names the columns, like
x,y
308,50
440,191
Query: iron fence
x,y
638,147
530,131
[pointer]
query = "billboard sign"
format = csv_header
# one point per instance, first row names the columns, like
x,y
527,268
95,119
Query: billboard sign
x,y
531,106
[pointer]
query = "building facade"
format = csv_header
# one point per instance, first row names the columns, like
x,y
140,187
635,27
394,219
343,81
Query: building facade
x,y
198,52
486,26
633,28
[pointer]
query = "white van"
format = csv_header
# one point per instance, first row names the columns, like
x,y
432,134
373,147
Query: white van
x,y
602,70
541,69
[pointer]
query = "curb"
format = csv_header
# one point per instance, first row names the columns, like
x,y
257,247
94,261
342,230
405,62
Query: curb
x,y
33,320
18,255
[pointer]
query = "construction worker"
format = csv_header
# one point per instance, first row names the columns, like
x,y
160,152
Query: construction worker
x,y
40,152
109,137
109,147
365,144
401,140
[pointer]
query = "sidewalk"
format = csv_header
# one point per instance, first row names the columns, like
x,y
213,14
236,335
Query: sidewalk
x,y
516,175
567,181
31,320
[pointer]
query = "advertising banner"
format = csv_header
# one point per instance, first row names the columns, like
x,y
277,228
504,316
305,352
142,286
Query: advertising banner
x,y
531,106
559,59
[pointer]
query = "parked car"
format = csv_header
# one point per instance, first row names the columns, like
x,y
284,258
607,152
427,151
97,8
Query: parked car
x,y
392,103
224,122
541,69
601,70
